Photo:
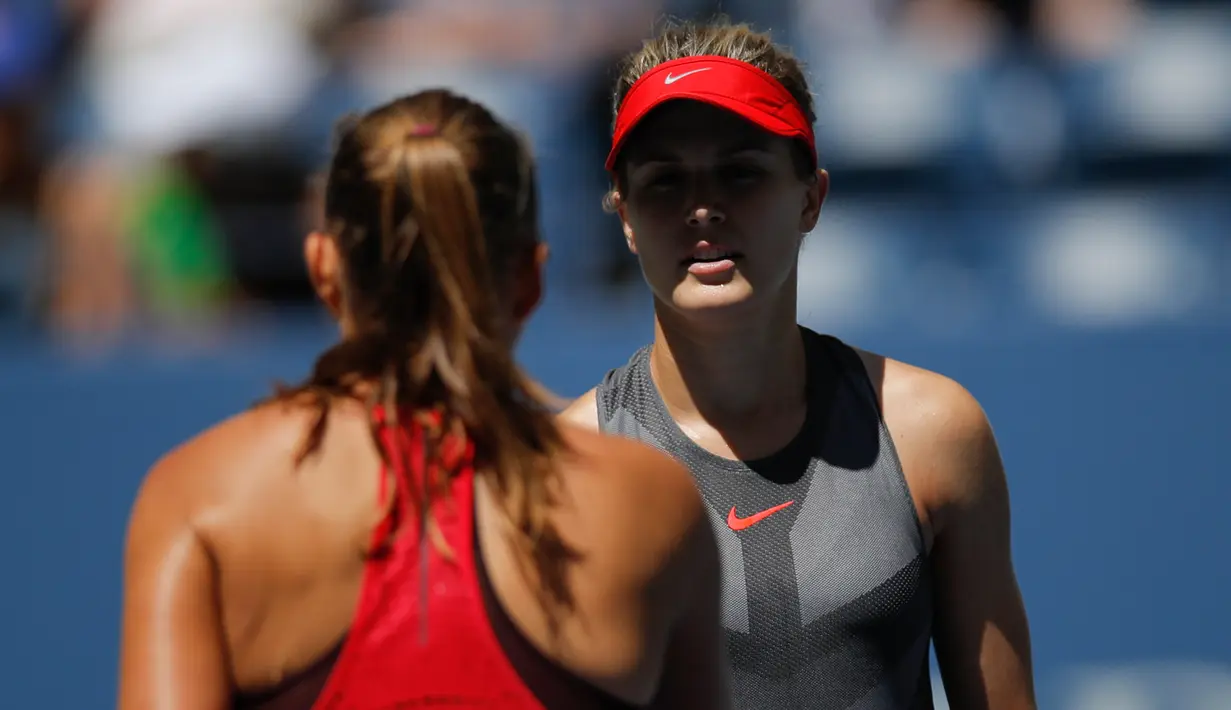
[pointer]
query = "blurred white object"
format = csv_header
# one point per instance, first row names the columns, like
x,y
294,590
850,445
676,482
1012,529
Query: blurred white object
x,y
842,267
884,106
846,23
167,73
1111,262
1172,89
1148,686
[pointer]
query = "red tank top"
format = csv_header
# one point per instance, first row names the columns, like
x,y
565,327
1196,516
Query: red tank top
x,y
421,636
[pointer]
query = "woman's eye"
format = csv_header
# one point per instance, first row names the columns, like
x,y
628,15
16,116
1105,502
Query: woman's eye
x,y
741,173
664,181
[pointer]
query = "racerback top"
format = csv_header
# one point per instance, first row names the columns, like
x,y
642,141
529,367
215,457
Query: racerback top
x,y
429,631
827,598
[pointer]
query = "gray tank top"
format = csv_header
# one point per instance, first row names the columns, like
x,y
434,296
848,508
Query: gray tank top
x,y
827,598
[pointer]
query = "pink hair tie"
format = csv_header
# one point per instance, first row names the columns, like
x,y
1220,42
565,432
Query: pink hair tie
x,y
424,129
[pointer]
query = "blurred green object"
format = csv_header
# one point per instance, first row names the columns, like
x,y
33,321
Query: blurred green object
x,y
178,248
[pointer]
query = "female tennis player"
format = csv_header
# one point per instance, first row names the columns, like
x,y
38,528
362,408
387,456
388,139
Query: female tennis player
x,y
860,503
410,527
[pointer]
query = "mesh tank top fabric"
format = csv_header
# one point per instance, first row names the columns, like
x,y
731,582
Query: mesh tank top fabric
x,y
827,602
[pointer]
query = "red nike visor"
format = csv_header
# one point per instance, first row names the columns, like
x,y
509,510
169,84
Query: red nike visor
x,y
726,83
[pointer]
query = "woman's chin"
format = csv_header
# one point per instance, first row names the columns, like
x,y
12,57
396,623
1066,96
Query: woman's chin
x,y
691,295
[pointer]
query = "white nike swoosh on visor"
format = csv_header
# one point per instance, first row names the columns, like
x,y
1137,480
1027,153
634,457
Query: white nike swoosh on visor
x,y
672,79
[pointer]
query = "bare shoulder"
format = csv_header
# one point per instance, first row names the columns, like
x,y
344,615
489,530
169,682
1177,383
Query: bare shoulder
x,y
233,466
940,429
923,400
583,411
645,499
188,480
634,469
201,473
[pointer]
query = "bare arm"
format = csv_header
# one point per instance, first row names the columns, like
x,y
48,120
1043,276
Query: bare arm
x,y
172,654
982,637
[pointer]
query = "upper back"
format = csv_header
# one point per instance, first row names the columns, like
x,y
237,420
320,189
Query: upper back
x,y
298,583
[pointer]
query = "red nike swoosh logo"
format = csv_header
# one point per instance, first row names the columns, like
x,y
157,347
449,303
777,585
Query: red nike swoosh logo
x,y
737,523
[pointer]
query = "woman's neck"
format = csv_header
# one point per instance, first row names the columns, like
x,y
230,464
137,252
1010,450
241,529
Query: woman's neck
x,y
728,369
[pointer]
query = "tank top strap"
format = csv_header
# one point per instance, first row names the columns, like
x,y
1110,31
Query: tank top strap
x,y
849,364
617,393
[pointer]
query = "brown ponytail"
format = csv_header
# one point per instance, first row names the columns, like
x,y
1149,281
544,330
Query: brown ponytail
x,y
431,201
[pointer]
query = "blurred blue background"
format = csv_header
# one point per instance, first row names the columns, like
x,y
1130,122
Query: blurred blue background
x,y
1030,196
